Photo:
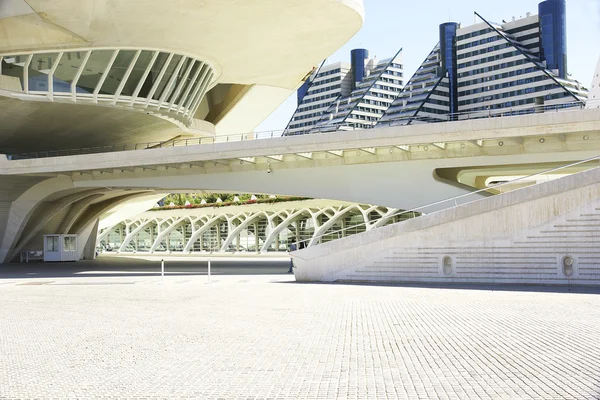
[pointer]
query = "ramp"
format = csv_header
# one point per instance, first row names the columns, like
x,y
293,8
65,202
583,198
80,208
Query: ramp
x,y
546,234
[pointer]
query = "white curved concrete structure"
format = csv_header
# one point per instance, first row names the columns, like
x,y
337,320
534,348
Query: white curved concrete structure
x,y
399,167
254,228
156,66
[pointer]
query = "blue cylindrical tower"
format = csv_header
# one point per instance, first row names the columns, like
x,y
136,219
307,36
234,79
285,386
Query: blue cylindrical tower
x,y
553,35
358,57
449,65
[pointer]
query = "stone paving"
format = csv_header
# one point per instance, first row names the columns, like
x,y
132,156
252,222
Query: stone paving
x,y
253,337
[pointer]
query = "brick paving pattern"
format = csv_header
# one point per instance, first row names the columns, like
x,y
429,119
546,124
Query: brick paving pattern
x,y
252,337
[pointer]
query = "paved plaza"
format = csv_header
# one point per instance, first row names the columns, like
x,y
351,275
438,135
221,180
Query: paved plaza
x,y
122,333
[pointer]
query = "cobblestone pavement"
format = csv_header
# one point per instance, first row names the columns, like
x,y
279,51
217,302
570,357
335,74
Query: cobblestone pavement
x,y
266,337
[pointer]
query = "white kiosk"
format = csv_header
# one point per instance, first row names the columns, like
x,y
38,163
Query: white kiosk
x,y
60,247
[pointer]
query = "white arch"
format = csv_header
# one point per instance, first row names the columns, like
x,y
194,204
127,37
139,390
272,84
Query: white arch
x,y
333,220
232,234
164,232
207,225
241,219
275,232
130,235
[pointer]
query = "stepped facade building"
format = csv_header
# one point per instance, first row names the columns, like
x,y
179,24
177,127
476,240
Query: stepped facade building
x,y
492,69
484,70
348,95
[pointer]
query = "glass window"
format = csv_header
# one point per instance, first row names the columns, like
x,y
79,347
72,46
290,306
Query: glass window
x,y
67,69
13,66
38,71
52,244
136,74
164,86
182,72
153,75
93,70
117,71
70,243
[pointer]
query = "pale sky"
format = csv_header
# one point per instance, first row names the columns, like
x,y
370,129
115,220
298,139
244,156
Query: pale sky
x,y
413,26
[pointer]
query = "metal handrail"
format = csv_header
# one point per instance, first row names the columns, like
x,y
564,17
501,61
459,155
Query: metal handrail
x,y
461,116
454,199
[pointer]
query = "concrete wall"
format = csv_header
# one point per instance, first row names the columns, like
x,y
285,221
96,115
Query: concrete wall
x,y
520,237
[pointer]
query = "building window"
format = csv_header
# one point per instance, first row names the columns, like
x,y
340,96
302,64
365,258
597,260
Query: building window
x,y
52,244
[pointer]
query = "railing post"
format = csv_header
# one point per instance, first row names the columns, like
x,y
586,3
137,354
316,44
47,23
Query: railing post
x,y
208,271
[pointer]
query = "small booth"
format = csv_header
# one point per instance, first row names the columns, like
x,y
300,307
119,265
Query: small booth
x,y
60,247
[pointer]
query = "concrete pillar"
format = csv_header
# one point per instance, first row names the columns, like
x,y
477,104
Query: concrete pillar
x,y
256,237
89,250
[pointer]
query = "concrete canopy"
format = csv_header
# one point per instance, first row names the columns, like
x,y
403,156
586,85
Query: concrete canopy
x,y
264,42
267,46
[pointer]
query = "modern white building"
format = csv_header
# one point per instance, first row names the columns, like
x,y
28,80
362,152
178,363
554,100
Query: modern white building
x,y
248,228
85,74
114,74
343,96
490,69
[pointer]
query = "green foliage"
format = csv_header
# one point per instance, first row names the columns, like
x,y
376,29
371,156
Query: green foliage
x,y
179,200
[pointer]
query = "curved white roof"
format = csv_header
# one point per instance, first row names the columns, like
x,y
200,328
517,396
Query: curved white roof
x,y
265,42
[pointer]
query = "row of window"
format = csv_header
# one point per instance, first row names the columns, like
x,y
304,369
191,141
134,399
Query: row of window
x,y
170,78
319,98
326,81
368,109
309,108
474,34
324,89
385,87
394,73
492,68
429,110
331,72
483,51
517,103
505,95
477,43
503,75
523,28
375,102
390,80
363,117
493,58
504,85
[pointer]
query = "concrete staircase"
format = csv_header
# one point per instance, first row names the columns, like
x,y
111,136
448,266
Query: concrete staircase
x,y
543,234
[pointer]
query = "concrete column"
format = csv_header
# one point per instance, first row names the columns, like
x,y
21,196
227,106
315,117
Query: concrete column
x,y
256,237
89,250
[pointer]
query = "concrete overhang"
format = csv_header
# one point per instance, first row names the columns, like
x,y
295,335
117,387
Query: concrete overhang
x,y
496,136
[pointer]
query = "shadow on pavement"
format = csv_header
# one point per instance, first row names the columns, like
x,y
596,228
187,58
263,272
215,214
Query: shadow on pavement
x,y
473,286
131,267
